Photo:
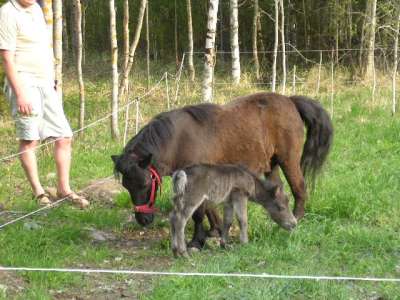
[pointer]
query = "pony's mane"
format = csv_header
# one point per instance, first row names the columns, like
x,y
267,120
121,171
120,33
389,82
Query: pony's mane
x,y
153,137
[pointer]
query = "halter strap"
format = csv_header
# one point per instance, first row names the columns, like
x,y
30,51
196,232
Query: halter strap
x,y
156,181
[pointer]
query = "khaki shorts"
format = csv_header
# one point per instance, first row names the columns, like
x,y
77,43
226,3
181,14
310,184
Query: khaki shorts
x,y
47,118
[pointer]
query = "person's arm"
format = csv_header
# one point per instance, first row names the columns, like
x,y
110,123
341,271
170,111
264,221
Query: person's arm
x,y
23,103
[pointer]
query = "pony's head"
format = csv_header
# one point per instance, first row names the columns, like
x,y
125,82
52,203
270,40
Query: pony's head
x,y
141,181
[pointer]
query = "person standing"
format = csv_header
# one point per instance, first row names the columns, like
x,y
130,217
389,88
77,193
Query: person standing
x,y
36,109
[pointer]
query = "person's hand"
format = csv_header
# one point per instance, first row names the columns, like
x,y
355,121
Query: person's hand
x,y
24,105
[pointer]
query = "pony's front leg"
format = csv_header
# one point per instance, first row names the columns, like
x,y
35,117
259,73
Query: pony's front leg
x,y
199,235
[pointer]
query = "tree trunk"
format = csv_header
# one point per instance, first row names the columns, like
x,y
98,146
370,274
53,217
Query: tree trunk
x,y
124,82
395,58
254,39
209,55
235,41
147,46
78,31
114,66
47,6
369,70
57,44
190,40
126,33
65,37
176,37
283,47
84,6
275,44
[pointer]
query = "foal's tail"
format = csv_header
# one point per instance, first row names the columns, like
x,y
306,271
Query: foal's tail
x,y
319,134
179,180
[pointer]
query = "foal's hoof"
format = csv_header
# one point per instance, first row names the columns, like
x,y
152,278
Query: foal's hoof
x,y
214,232
182,253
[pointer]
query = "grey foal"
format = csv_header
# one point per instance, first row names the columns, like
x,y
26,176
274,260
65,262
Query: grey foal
x,y
229,184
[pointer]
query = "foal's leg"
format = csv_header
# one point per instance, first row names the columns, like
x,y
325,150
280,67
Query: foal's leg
x,y
179,218
199,235
228,218
215,222
240,207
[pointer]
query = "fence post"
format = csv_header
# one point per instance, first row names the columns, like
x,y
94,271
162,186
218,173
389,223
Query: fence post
x,y
126,123
167,87
137,116
319,72
294,80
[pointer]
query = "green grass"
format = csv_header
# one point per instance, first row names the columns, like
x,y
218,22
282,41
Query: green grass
x,y
351,227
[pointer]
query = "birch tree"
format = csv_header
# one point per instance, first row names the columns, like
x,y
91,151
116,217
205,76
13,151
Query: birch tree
x,y
114,66
126,33
275,44
370,67
283,47
256,16
47,7
125,74
147,46
209,53
57,44
235,41
190,40
78,31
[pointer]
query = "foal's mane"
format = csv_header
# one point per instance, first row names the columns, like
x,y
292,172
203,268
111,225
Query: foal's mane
x,y
153,137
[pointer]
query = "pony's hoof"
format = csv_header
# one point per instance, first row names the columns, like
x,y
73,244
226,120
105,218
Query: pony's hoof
x,y
193,250
224,245
214,233
196,244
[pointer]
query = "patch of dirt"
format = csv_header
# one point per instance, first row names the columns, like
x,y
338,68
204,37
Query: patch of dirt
x,y
132,245
11,285
103,190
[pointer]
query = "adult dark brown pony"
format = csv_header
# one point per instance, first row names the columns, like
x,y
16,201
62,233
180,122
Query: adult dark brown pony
x,y
262,132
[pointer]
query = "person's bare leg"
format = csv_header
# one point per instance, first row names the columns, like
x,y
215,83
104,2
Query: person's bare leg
x,y
62,157
29,163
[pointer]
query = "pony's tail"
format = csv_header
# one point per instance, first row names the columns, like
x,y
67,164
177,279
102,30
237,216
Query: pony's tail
x,y
179,180
319,134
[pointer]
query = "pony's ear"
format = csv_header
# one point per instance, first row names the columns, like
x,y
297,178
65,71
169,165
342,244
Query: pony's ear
x,y
145,162
115,158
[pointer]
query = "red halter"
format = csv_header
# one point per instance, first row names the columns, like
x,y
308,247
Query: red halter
x,y
148,208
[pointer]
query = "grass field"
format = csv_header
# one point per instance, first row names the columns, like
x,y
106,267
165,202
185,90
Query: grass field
x,y
351,227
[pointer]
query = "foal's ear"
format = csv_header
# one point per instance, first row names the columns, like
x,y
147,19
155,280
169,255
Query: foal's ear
x,y
146,161
115,158
276,190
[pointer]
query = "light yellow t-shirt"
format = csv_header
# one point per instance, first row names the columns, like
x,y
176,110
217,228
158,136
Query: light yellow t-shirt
x,y
23,31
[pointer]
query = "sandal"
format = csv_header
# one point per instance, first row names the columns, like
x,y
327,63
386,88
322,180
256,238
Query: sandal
x,y
43,199
76,199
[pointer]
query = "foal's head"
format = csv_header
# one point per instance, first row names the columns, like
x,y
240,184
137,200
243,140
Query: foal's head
x,y
276,202
137,179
